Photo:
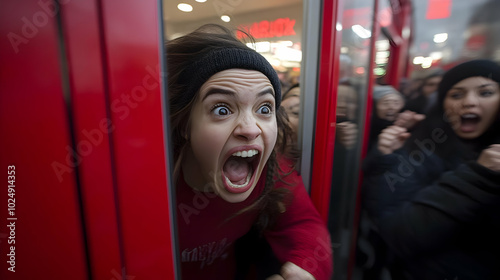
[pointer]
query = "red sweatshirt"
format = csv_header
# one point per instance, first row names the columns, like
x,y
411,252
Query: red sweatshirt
x,y
207,233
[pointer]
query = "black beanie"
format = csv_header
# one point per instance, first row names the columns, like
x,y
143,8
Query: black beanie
x,y
220,59
474,68
381,91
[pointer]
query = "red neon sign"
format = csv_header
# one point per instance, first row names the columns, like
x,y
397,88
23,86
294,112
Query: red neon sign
x,y
269,29
437,9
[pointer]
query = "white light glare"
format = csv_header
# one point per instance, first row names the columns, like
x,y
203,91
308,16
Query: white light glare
x,y
252,46
262,47
436,55
440,38
339,26
427,63
288,54
361,31
275,62
225,18
418,60
406,32
201,1
185,7
382,57
382,45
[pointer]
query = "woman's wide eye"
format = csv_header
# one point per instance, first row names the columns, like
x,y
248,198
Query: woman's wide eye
x,y
486,93
221,110
455,95
265,109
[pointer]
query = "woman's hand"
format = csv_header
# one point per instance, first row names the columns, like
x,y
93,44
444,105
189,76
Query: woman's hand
x,y
408,119
290,271
490,158
347,133
391,139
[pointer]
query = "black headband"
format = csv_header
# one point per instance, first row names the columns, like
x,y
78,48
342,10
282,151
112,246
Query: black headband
x,y
207,64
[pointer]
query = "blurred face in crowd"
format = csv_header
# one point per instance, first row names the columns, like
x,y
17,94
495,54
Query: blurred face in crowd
x,y
472,105
291,104
389,106
347,102
431,85
233,130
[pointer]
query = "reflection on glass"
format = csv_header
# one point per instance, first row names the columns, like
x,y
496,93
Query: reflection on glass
x,y
382,55
351,93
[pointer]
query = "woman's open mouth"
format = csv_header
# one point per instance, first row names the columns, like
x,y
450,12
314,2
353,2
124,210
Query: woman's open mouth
x,y
469,122
391,115
238,172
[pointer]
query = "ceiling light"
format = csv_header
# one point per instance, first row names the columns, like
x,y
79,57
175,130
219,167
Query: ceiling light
x,y
185,7
427,63
436,55
418,60
201,1
361,31
225,18
440,38
262,47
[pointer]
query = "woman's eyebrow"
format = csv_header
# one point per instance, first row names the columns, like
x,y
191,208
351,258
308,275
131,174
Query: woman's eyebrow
x,y
480,86
291,95
486,85
218,91
266,91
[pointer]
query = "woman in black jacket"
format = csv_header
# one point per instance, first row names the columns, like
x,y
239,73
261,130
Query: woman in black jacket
x,y
434,195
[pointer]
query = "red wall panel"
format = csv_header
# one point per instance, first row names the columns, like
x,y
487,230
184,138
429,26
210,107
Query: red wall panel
x,y
81,121
35,138
131,32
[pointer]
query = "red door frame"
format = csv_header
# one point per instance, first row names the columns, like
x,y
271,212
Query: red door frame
x,y
400,46
324,138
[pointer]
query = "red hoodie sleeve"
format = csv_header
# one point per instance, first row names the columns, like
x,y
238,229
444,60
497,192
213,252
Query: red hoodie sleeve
x,y
300,236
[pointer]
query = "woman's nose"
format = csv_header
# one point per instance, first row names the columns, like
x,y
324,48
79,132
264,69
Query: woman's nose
x,y
247,128
470,99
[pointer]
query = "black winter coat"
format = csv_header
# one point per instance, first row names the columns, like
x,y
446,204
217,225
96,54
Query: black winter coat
x,y
441,218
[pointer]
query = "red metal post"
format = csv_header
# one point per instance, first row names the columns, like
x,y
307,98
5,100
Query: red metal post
x,y
324,140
